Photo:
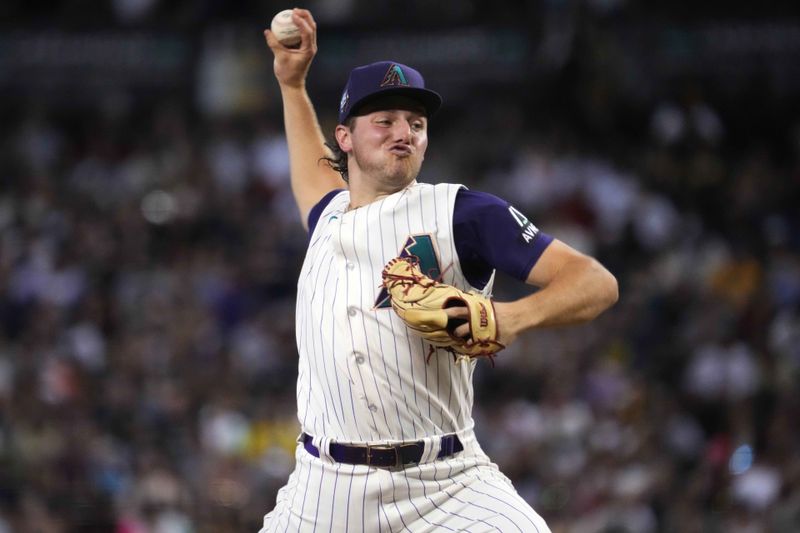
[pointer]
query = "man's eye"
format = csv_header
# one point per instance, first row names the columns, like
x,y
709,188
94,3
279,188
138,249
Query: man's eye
x,y
417,126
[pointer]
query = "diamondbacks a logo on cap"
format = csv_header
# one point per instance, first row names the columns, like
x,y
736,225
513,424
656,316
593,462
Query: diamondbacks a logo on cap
x,y
394,76
344,101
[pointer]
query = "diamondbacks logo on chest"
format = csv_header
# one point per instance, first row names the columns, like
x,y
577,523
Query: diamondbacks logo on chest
x,y
422,247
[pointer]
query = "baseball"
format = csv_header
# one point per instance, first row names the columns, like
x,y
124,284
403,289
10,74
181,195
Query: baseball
x,y
287,33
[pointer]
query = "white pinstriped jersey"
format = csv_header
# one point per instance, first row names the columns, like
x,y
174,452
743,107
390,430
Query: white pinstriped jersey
x,y
362,376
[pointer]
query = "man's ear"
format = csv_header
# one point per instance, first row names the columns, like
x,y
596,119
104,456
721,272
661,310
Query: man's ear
x,y
342,134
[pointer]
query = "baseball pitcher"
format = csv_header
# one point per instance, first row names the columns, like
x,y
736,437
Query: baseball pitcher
x,y
394,310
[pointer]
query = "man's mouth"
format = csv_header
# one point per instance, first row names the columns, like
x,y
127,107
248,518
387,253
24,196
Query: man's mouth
x,y
400,149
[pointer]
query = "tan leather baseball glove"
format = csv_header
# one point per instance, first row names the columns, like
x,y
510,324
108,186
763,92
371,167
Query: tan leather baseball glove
x,y
421,302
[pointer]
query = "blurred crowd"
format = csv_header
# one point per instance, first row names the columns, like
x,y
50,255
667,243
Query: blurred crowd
x,y
148,264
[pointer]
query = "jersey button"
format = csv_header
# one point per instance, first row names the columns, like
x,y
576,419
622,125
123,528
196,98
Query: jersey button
x,y
373,407
351,311
360,359
350,265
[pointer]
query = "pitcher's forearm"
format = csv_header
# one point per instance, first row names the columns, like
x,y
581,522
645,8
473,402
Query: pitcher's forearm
x,y
311,178
303,133
580,291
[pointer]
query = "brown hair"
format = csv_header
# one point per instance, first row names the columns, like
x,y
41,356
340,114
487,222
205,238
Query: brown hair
x,y
338,161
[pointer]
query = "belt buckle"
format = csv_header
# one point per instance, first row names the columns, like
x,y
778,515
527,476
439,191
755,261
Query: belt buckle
x,y
398,464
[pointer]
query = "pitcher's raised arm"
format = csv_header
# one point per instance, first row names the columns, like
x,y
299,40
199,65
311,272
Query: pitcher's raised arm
x,y
311,177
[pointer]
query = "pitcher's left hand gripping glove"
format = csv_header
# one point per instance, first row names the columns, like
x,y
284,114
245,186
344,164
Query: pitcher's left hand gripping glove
x,y
421,302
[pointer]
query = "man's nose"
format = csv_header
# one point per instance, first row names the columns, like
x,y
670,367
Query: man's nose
x,y
402,131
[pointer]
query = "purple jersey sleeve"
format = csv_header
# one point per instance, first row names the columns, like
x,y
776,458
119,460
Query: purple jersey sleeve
x,y
316,211
490,233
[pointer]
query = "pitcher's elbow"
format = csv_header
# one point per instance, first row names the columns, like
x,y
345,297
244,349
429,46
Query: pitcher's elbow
x,y
607,288
610,290
613,290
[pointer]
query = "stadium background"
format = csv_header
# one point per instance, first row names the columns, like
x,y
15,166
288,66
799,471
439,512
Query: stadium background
x,y
149,250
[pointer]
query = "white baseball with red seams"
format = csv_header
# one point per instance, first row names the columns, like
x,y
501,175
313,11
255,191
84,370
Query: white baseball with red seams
x,y
285,30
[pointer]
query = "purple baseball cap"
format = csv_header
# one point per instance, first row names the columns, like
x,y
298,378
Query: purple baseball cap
x,y
385,78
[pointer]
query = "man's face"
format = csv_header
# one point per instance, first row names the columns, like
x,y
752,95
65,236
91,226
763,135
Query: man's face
x,y
387,141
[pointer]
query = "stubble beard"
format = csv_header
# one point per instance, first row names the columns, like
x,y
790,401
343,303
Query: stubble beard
x,y
399,171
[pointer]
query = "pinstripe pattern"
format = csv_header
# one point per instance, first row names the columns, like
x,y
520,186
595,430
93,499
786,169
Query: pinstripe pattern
x,y
363,378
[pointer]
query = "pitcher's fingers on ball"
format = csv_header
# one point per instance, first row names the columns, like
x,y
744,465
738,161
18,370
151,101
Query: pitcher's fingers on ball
x,y
304,14
272,42
307,28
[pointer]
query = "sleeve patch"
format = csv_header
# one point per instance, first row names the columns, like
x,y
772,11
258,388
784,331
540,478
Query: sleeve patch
x,y
528,231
